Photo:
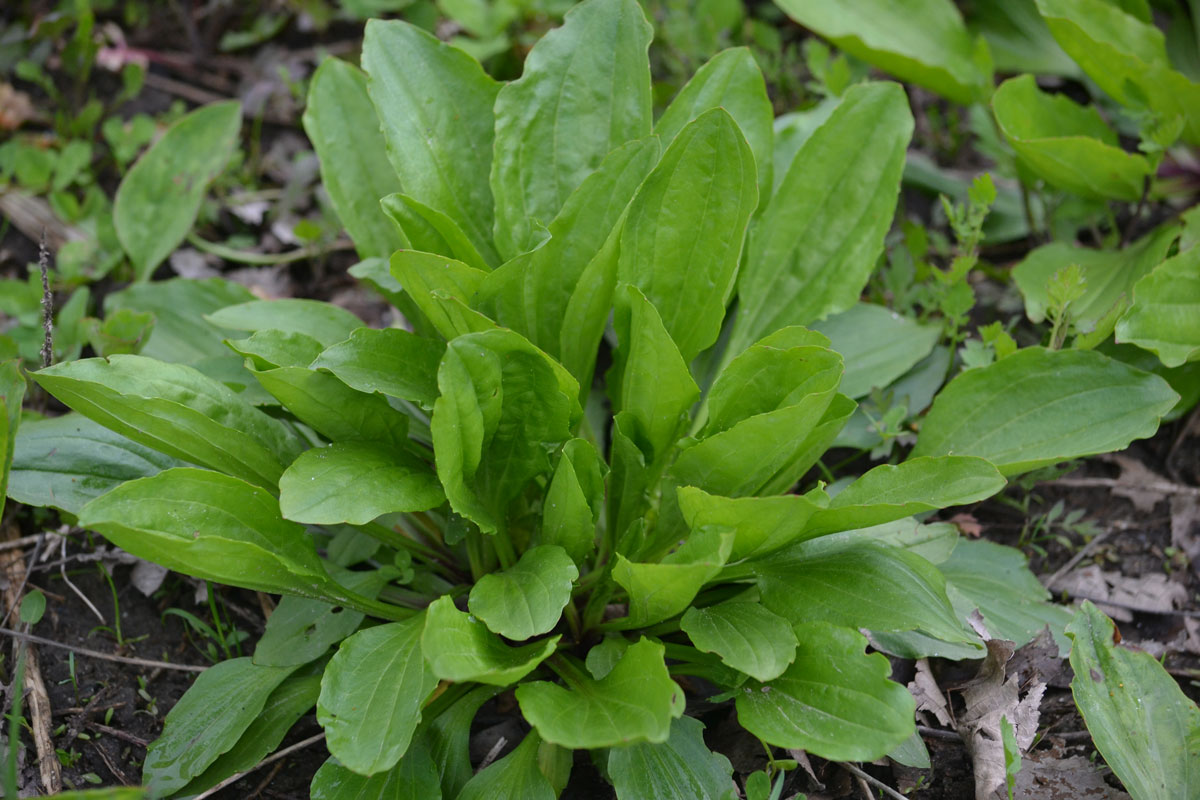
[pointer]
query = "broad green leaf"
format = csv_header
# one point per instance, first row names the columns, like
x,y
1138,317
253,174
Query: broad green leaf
x,y
585,91
390,361
291,700
175,410
634,702
435,107
649,381
372,693
431,231
448,738
911,753
12,391
415,776
730,80
355,482
458,647
746,636
526,599
333,409
661,590
212,526
877,344
105,794
181,333
271,348
324,322
1165,315
63,462
502,409
681,768
996,580
1019,39
1109,275
207,721
1141,722
1037,407
377,274
833,701
934,541
683,237
158,198
922,41
301,630
1126,56
818,239
760,524
888,492
1067,145
865,584
515,775
341,123
433,282
573,502
533,293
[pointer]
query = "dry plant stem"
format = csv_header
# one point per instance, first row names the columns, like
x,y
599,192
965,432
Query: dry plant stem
x,y
32,216
878,784
1163,487
19,543
62,568
939,733
1075,559
47,303
83,651
284,753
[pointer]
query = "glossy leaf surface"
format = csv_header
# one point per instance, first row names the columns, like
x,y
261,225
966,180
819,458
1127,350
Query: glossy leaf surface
x,y
746,636
1165,315
681,768
526,599
458,647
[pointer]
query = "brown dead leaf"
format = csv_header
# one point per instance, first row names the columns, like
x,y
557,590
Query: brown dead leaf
x,y
1135,482
1185,526
1119,595
928,694
1045,775
15,107
967,524
1039,660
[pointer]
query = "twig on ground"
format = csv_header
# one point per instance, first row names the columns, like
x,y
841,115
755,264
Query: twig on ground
x,y
492,754
883,787
113,768
1162,487
117,733
47,303
939,733
271,759
62,568
265,782
83,651
1083,553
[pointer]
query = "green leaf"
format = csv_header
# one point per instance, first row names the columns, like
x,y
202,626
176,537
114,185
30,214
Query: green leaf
x,y
458,647
176,410
681,768
649,381
271,348
435,107
760,524
866,584
1141,722
12,391
502,409
996,580
1108,275
888,493
558,295
333,409
372,693
1126,56
104,794
515,775
63,462
526,599
219,528
207,721
635,702
1165,315
877,345
585,91
661,590
158,199
355,482
290,701
390,361
431,280
573,502
834,701
730,80
923,41
324,322
431,231
746,636
123,331
818,239
449,740
181,333
415,776
341,123
301,630
1067,145
1019,39
682,239
1037,407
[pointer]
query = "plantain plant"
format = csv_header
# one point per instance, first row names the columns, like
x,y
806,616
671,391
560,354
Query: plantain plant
x,y
589,473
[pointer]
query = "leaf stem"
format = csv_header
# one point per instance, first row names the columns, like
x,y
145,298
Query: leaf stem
x,y
571,673
265,259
